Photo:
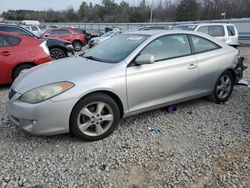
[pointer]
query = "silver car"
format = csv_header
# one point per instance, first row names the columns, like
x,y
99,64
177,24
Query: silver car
x,y
128,74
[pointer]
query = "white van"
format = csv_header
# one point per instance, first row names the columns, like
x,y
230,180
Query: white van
x,y
223,31
30,22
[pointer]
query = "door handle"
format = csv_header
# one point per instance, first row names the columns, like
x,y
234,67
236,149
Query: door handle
x,y
192,66
6,53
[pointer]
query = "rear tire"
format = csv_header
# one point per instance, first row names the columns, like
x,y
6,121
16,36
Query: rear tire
x,y
223,88
94,117
19,69
57,53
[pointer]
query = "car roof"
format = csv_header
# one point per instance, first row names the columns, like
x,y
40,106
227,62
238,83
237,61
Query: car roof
x,y
198,24
159,32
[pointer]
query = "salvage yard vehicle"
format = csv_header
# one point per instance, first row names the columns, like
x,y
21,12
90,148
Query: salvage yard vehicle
x,y
125,75
228,33
19,53
34,29
104,37
58,48
78,39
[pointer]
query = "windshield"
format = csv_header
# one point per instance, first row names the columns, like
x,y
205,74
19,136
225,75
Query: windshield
x,y
186,27
116,48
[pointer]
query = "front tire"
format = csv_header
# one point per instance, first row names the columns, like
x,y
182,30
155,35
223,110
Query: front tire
x,y
94,117
77,45
223,88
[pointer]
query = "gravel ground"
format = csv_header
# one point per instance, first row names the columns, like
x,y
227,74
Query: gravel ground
x,y
202,144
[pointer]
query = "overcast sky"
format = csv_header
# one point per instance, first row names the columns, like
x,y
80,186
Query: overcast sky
x,y
6,5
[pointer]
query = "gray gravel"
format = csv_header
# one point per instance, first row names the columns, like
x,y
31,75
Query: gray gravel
x,y
202,144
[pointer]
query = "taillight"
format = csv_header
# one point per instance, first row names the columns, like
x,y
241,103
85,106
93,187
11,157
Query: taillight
x,y
45,48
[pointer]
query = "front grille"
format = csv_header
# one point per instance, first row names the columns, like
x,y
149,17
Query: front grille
x,y
12,93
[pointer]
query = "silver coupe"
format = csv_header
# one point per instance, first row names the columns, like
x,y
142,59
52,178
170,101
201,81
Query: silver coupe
x,y
130,73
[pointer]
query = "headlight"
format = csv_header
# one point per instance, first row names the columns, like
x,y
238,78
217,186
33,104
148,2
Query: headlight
x,y
45,92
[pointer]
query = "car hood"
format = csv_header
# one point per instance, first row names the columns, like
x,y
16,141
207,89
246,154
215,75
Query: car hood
x,y
74,69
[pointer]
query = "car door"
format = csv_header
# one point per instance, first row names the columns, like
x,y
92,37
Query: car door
x,y
172,77
7,54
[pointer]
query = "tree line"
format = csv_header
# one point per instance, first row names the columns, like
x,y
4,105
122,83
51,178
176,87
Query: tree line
x,y
163,11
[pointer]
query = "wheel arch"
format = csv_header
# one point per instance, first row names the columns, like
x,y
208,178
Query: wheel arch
x,y
114,96
20,64
61,48
77,40
231,70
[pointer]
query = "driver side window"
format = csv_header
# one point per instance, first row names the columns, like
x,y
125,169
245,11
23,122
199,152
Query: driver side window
x,y
168,47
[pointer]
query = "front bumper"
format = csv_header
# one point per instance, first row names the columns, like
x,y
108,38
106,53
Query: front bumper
x,y
45,118
70,49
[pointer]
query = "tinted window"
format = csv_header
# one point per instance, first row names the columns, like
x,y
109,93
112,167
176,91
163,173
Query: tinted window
x,y
216,31
63,32
202,44
6,40
231,30
203,29
16,30
53,32
79,30
169,46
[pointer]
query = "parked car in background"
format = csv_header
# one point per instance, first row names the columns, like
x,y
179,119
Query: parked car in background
x,y
79,30
125,75
30,22
228,33
69,34
58,48
34,29
87,35
18,53
105,36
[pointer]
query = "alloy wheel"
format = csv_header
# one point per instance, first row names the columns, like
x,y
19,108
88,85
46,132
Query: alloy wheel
x,y
223,88
95,119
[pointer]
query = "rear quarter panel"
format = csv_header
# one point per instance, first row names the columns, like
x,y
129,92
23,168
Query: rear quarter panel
x,y
212,64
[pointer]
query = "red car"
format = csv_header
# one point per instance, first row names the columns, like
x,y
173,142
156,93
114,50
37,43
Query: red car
x,y
18,53
70,34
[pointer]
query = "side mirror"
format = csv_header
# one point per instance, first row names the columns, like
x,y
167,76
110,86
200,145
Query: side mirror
x,y
145,59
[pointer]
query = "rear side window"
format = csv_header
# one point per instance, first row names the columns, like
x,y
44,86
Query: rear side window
x,y
78,30
203,45
231,30
216,31
203,29
52,32
6,40
16,30
63,32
